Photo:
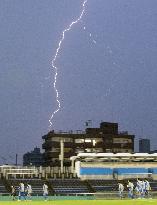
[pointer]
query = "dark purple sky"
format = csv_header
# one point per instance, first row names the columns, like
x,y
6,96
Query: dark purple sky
x,y
113,79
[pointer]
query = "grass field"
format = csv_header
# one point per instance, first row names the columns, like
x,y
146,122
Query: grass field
x,y
83,202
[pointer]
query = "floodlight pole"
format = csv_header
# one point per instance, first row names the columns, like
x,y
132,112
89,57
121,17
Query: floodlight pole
x,y
16,160
61,154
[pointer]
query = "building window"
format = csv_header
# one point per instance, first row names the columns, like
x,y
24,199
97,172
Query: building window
x,y
56,139
55,149
97,140
88,150
68,140
88,140
122,150
79,150
121,140
67,149
108,150
97,149
79,140
94,150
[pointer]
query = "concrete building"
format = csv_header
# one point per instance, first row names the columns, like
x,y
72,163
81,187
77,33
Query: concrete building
x,y
144,146
106,138
34,157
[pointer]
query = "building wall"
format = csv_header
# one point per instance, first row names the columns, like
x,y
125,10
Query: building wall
x,y
116,170
103,139
144,146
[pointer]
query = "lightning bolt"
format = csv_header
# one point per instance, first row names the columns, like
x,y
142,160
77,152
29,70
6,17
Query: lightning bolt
x,y
54,67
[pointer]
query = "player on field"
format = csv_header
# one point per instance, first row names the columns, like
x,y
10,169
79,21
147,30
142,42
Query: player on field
x,y
139,188
13,192
22,191
120,190
45,191
143,189
29,191
147,188
130,187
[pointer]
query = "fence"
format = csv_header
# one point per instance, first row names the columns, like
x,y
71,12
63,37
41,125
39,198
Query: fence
x,y
81,196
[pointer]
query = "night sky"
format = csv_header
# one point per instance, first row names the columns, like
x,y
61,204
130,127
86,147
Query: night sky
x,y
107,69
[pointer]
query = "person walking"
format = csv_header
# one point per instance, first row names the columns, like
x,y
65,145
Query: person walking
x,y
45,191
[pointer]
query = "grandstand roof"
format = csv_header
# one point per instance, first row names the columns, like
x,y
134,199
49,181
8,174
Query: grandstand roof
x,y
116,157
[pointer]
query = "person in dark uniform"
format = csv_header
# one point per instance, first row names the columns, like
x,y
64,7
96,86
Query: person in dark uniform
x,y
13,192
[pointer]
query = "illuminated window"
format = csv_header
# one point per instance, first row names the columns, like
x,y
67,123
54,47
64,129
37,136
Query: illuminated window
x,y
68,140
79,140
88,140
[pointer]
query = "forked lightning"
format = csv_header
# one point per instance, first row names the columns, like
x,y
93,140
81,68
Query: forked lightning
x,y
54,61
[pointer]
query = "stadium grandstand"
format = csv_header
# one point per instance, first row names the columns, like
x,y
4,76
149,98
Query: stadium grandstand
x,y
91,174
117,166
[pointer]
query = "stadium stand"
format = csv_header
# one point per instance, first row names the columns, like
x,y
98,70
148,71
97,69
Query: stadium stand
x,y
119,166
153,172
3,190
90,173
75,187
100,172
153,184
130,172
104,185
36,184
119,173
69,186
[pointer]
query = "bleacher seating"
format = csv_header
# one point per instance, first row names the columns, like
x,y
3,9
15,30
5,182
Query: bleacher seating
x,y
72,186
68,186
3,190
104,185
36,184
153,185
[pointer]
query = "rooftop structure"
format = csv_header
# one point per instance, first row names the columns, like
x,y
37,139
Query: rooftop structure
x,y
136,157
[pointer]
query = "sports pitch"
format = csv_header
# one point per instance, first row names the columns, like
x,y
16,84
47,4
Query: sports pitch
x,y
82,202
